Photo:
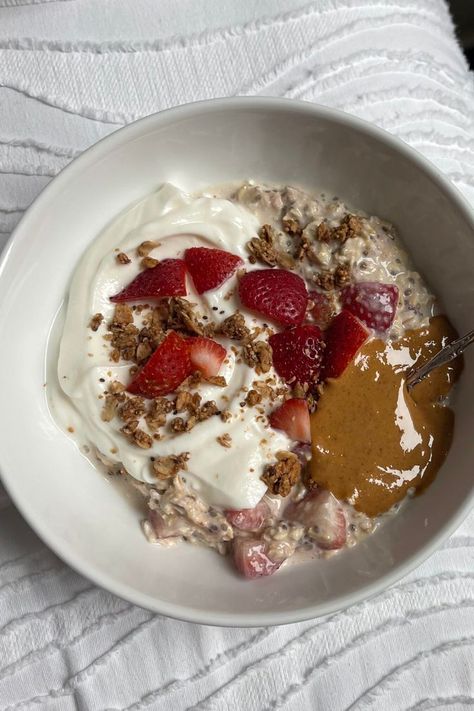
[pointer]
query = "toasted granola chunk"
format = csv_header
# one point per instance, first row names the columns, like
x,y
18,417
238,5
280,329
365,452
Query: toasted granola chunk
x,y
291,225
132,409
258,355
209,409
110,408
323,232
156,415
149,262
225,440
187,402
351,226
95,321
330,280
282,476
253,398
123,258
170,466
144,249
142,439
264,248
123,315
234,327
182,316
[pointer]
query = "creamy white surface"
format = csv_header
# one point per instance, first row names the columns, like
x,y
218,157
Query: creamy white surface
x,y
226,477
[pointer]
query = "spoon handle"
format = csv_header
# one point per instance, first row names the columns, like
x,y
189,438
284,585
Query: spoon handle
x,y
445,355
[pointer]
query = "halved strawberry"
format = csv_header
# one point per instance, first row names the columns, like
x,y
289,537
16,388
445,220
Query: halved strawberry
x,y
276,293
167,367
210,268
293,418
344,337
373,303
248,519
322,512
322,311
168,278
298,353
251,558
206,355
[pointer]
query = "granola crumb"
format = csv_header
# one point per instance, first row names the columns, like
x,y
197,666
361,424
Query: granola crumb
x,y
291,226
226,416
282,476
144,249
264,249
234,327
167,467
123,315
225,440
95,321
253,398
122,258
70,429
149,262
258,355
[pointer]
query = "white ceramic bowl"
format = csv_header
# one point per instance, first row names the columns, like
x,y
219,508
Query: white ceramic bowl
x,y
81,514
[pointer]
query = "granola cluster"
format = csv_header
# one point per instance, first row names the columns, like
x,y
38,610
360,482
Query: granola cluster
x,y
282,476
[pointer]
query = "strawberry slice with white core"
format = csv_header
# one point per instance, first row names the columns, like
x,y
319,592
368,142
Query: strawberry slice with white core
x,y
210,268
344,337
276,293
166,368
168,278
298,353
248,519
323,513
251,558
206,355
293,418
373,303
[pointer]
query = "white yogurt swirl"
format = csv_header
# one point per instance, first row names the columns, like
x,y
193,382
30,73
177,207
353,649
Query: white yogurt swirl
x,y
228,477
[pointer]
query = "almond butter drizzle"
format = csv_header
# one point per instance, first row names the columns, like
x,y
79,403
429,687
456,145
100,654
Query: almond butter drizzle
x,y
372,440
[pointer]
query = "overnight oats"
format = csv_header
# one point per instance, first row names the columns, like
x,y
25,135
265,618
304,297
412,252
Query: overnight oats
x,y
239,358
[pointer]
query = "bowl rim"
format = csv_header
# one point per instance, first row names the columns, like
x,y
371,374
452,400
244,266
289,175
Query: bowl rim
x,y
20,235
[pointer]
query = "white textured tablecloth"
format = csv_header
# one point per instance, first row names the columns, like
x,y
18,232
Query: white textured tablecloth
x,y
72,71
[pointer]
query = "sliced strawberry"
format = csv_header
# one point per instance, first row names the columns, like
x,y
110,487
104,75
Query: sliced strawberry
x,y
206,355
344,337
248,519
298,353
168,278
275,293
323,514
251,559
167,367
293,418
210,268
323,308
373,303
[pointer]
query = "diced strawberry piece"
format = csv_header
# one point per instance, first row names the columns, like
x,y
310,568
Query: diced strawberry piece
x,y
298,353
293,418
248,519
322,512
251,559
167,367
344,337
210,268
323,309
373,303
276,293
206,355
168,278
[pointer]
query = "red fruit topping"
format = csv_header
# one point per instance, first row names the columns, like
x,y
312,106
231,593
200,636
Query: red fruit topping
x,y
322,512
373,303
293,418
323,309
167,367
344,337
210,268
206,355
275,293
298,353
251,559
168,278
248,519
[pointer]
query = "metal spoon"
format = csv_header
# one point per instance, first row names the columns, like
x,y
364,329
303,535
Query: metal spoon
x,y
445,355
